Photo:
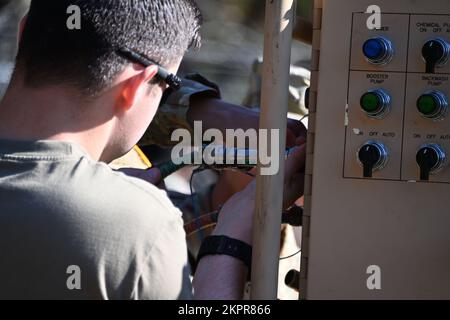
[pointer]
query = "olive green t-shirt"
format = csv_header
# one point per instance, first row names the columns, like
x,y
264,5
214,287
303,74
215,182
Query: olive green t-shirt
x,y
72,228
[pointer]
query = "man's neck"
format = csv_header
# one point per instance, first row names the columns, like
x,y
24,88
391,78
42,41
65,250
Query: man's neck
x,y
53,114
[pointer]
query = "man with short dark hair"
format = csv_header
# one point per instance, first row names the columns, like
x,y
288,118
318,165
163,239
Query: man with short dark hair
x,y
70,227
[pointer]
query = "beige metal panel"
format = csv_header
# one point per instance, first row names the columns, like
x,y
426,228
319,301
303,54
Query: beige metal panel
x,y
362,129
400,226
419,131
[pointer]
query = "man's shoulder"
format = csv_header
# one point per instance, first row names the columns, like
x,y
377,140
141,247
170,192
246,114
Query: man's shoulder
x,y
101,191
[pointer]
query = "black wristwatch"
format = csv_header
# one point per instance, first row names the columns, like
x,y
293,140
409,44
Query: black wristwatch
x,y
222,245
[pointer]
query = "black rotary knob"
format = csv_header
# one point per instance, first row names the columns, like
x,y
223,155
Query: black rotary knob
x,y
373,156
436,52
430,158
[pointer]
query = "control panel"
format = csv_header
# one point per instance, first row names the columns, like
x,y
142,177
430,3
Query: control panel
x,y
376,223
398,127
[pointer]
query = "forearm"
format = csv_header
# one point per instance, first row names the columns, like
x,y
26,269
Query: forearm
x,y
219,277
221,115
222,277
218,114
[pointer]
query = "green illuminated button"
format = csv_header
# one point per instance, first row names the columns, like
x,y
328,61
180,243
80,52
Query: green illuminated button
x,y
427,104
370,102
376,103
433,105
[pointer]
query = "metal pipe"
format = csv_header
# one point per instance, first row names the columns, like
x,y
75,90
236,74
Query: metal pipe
x,y
274,109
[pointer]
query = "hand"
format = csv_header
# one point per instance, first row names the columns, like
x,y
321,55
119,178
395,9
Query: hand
x,y
296,133
231,182
294,176
236,216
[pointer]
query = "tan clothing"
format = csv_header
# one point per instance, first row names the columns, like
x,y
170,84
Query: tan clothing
x,y
172,113
59,208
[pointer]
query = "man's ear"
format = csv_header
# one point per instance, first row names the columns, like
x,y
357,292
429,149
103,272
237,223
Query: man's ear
x,y
131,88
22,24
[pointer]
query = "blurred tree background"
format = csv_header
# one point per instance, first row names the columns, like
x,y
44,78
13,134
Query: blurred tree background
x,y
233,38
10,13
232,42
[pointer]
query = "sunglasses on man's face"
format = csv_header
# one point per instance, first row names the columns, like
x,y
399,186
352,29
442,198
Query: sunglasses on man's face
x,y
172,80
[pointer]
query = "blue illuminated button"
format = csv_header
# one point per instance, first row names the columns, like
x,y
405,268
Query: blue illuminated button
x,y
378,50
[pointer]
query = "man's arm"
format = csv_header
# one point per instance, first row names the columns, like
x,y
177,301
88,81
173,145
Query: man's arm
x,y
222,277
221,115
200,101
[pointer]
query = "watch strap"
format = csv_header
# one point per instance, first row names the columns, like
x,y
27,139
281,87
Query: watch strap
x,y
223,245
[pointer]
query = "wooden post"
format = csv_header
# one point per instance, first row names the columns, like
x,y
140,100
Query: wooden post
x,y
274,109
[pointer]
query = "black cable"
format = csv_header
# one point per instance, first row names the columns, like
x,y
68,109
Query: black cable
x,y
292,255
